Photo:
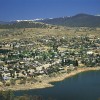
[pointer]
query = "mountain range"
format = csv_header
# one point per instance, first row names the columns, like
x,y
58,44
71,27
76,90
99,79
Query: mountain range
x,y
79,20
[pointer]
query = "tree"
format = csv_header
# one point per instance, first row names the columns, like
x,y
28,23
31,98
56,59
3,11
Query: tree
x,y
55,47
75,63
63,62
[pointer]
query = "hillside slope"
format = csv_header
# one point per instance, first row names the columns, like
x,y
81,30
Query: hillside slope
x,y
80,20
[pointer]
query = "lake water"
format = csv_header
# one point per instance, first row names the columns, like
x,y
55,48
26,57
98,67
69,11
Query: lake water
x,y
83,86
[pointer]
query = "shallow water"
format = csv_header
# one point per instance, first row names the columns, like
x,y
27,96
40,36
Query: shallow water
x,y
83,86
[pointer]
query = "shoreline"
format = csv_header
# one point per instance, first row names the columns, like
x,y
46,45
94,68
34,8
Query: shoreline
x,y
47,82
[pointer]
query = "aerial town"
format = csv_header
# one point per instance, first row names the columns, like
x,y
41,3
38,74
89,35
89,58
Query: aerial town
x,y
26,61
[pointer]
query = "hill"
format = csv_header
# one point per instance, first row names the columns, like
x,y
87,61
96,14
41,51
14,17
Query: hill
x,y
79,20
22,24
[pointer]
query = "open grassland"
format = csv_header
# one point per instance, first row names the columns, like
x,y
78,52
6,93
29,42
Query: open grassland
x,y
35,33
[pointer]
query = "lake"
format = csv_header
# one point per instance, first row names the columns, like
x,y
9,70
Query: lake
x,y
83,86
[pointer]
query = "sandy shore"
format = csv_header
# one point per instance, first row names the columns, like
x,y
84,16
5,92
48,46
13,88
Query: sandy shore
x,y
46,83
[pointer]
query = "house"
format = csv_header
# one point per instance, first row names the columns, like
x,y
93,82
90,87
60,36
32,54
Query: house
x,y
89,52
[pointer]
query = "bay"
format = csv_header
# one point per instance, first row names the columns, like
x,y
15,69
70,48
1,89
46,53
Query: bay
x,y
83,86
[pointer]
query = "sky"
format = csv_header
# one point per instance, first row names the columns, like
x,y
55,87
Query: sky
x,y
32,9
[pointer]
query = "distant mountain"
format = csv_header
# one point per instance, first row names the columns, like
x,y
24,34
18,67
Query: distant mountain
x,y
79,20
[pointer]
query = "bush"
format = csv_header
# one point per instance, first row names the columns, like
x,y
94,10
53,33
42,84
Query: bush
x,y
68,71
23,81
13,81
7,83
1,84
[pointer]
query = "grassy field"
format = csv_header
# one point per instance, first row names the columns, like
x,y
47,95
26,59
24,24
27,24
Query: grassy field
x,y
35,33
